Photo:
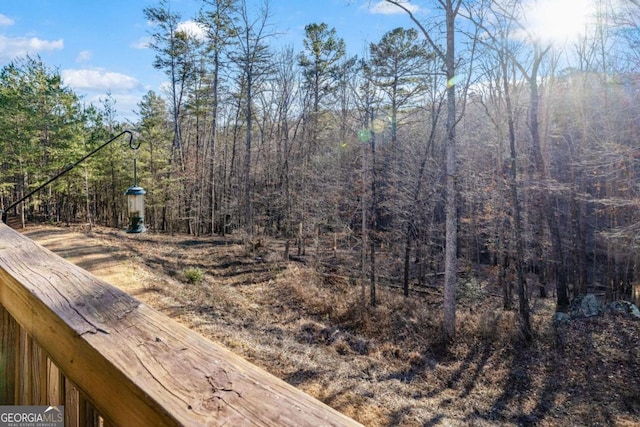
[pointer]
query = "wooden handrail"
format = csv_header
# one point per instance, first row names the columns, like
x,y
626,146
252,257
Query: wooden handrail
x,y
135,365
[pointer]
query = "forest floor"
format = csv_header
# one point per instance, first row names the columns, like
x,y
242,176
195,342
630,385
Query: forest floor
x,y
383,366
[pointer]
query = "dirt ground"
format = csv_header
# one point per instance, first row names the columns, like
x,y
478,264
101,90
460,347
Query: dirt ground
x,y
381,366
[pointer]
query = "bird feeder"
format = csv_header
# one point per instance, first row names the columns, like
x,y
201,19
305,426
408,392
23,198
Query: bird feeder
x,y
135,201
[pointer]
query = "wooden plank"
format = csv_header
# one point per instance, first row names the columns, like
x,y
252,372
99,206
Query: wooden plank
x,y
8,346
38,375
89,417
71,404
137,366
55,385
23,374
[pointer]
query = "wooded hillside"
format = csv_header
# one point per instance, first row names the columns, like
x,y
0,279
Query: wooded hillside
x,y
321,146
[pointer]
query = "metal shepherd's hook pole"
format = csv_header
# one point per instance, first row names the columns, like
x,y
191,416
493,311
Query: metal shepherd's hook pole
x,y
135,171
132,145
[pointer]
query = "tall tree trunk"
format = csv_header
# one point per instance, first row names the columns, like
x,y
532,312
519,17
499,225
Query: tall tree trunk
x,y
541,173
373,230
247,161
363,253
409,230
212,151
407,258
523,305
451,8
451,221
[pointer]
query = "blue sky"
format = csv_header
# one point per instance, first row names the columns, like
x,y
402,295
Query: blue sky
x,y
99,45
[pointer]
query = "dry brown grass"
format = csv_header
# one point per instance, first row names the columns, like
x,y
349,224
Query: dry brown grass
x,y
384,366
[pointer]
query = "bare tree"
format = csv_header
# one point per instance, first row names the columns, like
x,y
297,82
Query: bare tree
x,y
253,58
173,50
498,41
447,55
217,19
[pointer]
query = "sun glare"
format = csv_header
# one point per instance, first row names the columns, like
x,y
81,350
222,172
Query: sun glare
x,y
558,21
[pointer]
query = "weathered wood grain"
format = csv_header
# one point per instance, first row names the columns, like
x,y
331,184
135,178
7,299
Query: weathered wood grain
x,y
71,404
137,366
8,341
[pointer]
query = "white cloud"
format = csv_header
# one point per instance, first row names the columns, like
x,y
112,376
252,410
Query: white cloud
x,y
193,29
93,85
165,87
98,80
84,56
126,105
5,21
142,43
13,47
385,8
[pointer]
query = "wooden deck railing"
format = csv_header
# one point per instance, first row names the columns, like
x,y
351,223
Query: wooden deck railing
x,y
68,338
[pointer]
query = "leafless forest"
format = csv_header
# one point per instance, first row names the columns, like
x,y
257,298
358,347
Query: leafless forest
x,y
457,144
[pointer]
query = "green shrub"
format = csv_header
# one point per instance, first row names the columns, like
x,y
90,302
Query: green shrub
x,y
470,290
193,275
